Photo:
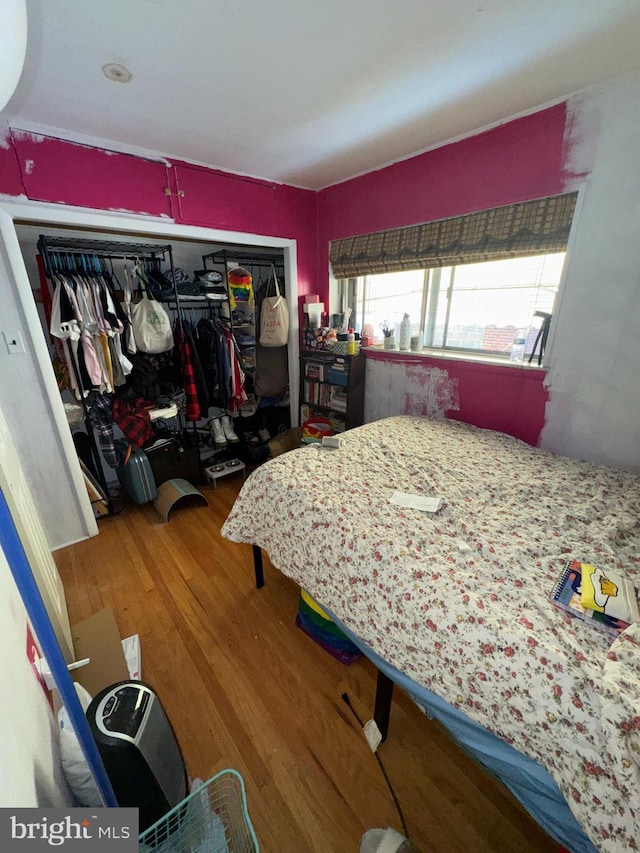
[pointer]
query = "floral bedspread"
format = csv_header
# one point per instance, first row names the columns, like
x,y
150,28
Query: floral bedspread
x,y
459,600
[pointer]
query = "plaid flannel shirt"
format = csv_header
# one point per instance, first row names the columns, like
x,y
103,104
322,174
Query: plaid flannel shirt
x,y
132,416
101,419
192,412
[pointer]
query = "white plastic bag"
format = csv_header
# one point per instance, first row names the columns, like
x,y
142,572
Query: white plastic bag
x,y
74,764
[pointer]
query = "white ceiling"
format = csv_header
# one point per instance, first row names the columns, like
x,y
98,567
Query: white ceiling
x,y
310,93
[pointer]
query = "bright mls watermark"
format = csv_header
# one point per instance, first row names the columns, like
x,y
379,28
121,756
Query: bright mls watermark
x,y
81,830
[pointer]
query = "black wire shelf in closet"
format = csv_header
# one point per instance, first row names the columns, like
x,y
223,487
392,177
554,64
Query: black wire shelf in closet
x,y
94,349
267,412
240,327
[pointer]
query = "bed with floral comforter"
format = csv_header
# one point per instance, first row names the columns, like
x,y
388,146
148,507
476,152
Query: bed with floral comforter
x,y
459,600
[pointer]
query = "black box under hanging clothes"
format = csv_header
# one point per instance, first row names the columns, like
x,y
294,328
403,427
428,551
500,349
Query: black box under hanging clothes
x,y
170,458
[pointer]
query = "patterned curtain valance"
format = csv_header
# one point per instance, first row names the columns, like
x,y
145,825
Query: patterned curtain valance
x,y
528,228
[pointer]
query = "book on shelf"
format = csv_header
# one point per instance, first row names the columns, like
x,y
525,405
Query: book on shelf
x,y
315,370
338,399
567,595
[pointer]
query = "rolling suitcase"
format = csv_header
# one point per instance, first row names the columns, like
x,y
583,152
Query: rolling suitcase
x,y
136,477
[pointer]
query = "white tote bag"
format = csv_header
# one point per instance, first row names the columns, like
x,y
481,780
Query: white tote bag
x,y
151,326
274,318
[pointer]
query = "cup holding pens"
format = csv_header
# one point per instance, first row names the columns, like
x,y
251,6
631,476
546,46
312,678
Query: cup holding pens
x,y
390,342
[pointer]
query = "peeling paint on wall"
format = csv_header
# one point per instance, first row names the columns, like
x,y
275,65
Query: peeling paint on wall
x,y
14,198
22,135
580,142
399,389
5,137
139,213
28,166
430,392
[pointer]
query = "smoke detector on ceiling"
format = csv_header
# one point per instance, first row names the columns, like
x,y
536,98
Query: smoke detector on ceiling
x,y
117,73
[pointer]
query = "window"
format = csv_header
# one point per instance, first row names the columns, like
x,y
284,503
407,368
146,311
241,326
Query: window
x,y
480,282
493,307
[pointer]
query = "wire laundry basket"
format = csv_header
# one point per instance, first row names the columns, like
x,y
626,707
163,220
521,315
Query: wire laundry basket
x,y
212,819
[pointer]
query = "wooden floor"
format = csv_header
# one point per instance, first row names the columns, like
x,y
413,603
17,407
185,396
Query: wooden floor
x,y
245,688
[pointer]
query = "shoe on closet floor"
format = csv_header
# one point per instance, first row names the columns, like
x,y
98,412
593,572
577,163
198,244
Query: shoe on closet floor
x,y
227,428
217,432
264,435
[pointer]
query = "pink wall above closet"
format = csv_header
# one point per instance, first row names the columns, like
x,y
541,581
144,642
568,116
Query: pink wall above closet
x,y
54,170
65,173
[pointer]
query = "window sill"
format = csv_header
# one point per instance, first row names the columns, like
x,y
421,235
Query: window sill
x,y
448,355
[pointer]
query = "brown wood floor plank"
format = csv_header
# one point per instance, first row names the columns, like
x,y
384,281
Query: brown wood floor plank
x,y
245,688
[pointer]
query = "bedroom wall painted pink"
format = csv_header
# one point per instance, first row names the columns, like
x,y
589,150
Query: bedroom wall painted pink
x,y
514,162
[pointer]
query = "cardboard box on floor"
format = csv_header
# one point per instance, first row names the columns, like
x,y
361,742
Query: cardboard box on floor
x,y
98,638
289,440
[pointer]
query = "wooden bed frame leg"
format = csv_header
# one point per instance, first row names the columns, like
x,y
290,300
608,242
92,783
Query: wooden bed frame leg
x,y
257,566
382,708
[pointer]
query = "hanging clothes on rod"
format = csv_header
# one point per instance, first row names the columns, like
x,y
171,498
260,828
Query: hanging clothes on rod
x,y
237,394
84,315
94,334
192,412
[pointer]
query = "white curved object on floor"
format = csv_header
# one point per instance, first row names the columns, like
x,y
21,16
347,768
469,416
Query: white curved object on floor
x,y
384,841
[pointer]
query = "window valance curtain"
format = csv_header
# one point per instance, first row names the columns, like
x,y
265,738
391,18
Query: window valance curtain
x,y
527,228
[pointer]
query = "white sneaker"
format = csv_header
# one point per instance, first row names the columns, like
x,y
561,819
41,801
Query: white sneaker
x,y
227,428
217,432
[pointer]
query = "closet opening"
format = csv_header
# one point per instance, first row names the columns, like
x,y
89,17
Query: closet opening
x,y
199,260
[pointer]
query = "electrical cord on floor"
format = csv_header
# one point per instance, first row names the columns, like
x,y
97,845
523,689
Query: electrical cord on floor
x,y
347,701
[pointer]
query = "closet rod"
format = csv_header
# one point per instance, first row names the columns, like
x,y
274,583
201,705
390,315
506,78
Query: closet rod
x,y
110,248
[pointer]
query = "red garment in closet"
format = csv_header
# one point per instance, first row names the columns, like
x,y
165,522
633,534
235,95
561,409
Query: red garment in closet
x,y
192,412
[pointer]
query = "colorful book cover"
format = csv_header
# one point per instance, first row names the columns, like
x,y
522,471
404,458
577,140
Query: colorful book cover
x,y
567,594
609,592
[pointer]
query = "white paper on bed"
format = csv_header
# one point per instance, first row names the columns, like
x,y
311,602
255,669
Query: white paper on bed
x,y
421,502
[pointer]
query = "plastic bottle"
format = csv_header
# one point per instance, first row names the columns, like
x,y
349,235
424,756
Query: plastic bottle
x,y
405,333
518,346
351,342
